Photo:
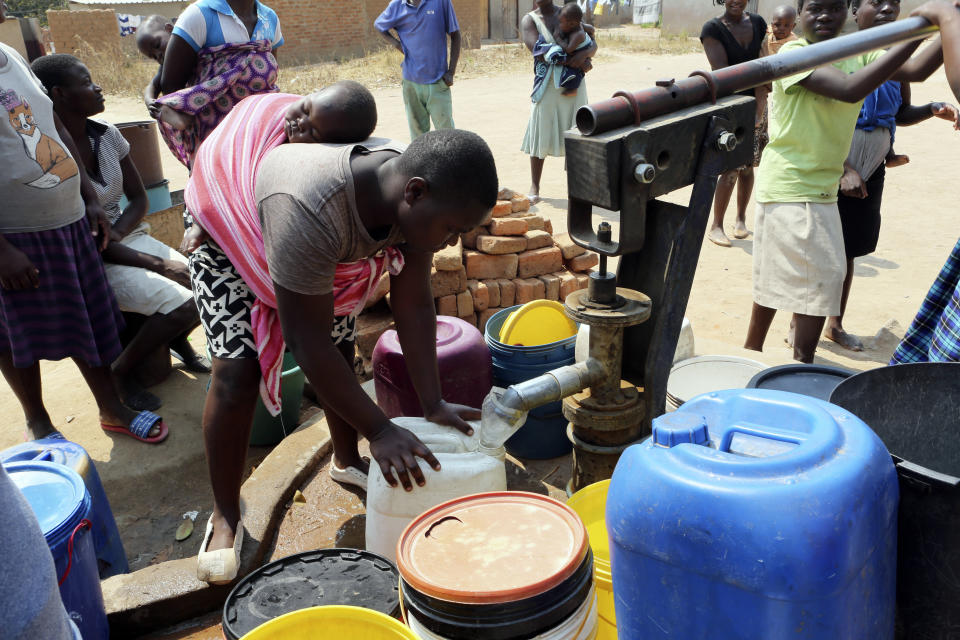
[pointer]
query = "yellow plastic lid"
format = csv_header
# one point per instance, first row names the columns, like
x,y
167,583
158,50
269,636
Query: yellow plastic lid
x,y
537,322
332,622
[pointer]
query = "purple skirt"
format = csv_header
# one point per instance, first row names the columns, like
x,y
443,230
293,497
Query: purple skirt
x,y
73,313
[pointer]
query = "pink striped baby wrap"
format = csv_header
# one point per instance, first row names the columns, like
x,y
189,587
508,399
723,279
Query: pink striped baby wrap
x,y
220,195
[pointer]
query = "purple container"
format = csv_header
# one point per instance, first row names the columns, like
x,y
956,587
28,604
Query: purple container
x,y
466,370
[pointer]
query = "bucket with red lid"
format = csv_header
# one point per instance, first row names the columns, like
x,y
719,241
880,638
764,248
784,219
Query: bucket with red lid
x,y
498,566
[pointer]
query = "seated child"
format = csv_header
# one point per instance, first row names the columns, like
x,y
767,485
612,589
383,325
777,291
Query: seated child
x,y
343,112
571,37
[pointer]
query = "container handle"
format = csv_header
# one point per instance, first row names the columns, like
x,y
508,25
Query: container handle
x,y
84,524
46,455
757,431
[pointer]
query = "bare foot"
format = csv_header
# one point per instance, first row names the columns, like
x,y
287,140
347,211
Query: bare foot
x,y
740,230
789,339
896,160
39,429
177,120
718,237
222,536
842,338
534,194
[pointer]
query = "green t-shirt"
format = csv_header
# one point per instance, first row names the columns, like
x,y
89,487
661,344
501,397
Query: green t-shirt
x,y
810,137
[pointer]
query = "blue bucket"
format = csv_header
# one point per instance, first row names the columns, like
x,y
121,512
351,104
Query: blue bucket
x,y
61,503
545,433
111,558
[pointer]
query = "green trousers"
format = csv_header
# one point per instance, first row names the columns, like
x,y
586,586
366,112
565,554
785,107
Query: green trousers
x,y
426,101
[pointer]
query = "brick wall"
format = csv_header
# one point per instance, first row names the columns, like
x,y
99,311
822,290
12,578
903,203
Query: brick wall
x,y
347,28
99,29
12,36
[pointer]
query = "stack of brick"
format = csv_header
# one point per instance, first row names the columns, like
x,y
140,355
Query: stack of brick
x,y
511,259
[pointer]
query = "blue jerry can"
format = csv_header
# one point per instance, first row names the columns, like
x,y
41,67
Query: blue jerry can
x,y
111,559
758,515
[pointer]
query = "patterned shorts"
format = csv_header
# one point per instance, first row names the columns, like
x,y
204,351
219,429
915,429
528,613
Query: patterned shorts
x,y
225,303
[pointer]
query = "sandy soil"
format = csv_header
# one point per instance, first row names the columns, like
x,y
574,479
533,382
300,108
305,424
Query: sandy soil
x,y
151,486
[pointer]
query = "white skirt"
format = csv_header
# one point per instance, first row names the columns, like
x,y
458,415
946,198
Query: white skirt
x,y
798,257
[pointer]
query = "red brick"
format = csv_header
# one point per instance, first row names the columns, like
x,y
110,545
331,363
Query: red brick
x,y
481,297
464,304
534,223
538,240
538,262
508,226
551,285
583,280
493,292
548,226
502,208
520,203
444,283
484,317
481,266
568,284
499,245
508,292
529,289
583,263
568,247
469,239
472,319
449,258
370,326
447,306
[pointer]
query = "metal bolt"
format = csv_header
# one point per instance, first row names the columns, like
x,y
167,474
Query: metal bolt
x,y
665,82
644,173
726,141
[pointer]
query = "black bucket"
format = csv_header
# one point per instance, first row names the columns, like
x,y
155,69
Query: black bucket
x,y
814,380
525,618
915,409
311,579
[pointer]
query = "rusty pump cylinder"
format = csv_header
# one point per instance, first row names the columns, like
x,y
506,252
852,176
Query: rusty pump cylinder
x,y
604,411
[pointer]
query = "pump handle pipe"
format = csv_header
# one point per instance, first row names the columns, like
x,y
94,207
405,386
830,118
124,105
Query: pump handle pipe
x,y
631,108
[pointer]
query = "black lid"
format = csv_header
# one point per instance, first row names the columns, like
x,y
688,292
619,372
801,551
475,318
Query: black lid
x,y
310,579
814,380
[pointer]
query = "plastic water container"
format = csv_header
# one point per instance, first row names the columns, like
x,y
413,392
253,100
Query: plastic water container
x,y
545,433
498,566
268,430
464,470
462,359
755,514
62,506
111,558
322,577
334,622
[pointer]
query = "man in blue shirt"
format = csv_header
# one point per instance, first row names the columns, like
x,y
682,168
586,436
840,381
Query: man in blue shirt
x,y
422,27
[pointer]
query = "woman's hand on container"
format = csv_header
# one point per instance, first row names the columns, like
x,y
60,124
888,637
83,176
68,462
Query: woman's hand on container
x,y
453,415
17,271
396,449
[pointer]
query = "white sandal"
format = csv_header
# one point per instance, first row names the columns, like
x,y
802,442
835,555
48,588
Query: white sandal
x,y
220,566
349,475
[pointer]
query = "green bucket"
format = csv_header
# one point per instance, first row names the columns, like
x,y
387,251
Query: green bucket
x,y
269,430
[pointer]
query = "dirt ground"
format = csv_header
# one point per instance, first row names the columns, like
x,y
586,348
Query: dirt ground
x,y
150,487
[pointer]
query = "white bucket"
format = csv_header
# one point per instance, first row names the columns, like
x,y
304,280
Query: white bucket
x,y
703,374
